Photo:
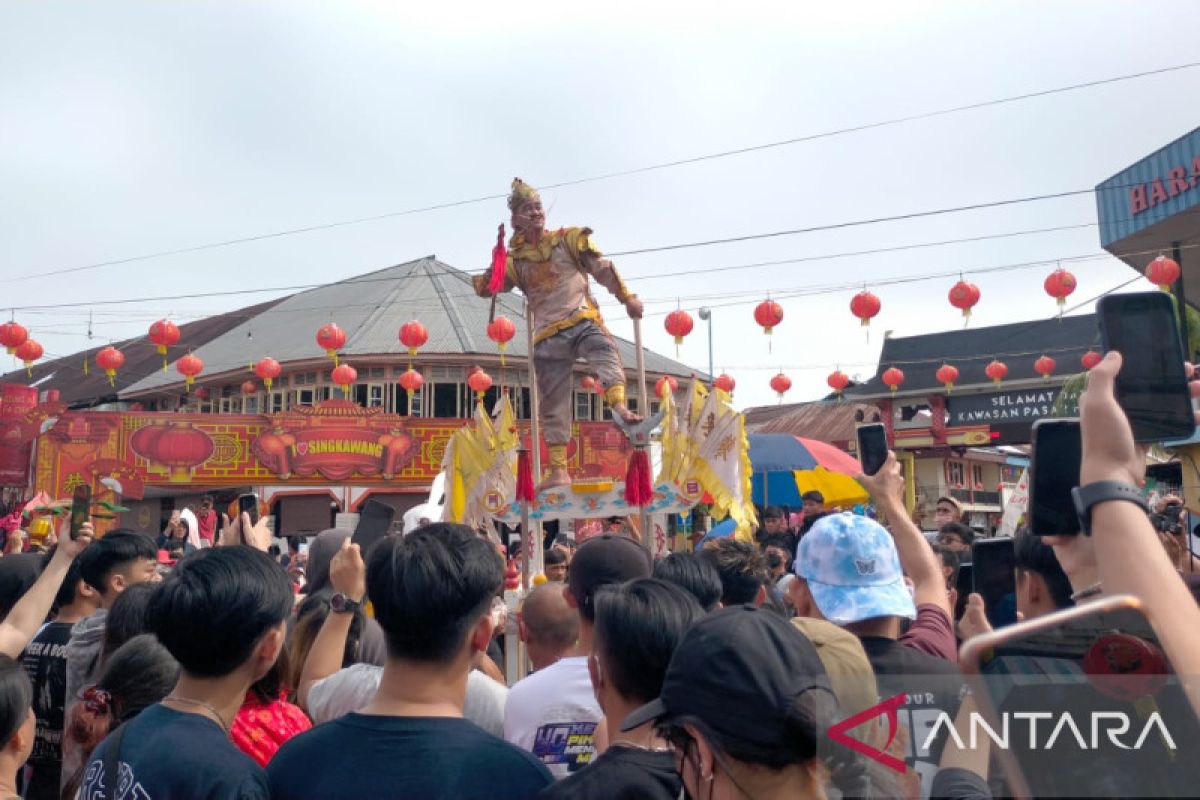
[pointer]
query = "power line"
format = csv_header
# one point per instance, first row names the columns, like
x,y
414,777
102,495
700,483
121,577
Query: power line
x,y
621,173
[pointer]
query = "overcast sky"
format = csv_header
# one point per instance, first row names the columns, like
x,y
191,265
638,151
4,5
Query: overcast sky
x,y
130,128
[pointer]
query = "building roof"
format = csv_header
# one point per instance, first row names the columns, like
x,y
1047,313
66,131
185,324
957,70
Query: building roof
x,y
970,350
826,421
66,374
371,308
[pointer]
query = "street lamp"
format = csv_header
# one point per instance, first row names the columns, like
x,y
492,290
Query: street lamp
x,y
706,315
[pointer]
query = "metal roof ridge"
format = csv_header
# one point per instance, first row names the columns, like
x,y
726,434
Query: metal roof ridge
x,y
465,340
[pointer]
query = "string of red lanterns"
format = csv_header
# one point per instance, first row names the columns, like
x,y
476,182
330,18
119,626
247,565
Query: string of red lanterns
x,y
865,306
781,384
267,369
1059,285
947,374
163,334
1163,272
344,375
838,381
964,296
29,351
110,360
12,336
679,324
997,371
893,378
1045,367
189,367
501,330
479,382
413,335
768,314
331,338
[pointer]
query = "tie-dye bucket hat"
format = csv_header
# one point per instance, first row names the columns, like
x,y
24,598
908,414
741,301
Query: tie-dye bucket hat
x,y
853,570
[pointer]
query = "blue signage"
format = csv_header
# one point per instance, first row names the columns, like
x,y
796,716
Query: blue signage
x,y
1161,185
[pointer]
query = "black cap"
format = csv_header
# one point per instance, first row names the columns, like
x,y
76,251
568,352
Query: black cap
x,y
744,671
602,560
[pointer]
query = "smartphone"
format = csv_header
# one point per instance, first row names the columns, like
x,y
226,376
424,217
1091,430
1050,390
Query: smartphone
x,y
1054,472
995,578
1152,386
374,522
1097,668
248,504
81,508
964,585
872,447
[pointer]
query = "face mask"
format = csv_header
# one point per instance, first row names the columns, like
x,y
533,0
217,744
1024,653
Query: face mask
x,y
774,560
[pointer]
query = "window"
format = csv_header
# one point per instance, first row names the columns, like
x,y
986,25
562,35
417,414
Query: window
x,y
279,402
402,401
370,395
231,405
304,379
446,398
976,475
305,397
251,404
584,406
955,474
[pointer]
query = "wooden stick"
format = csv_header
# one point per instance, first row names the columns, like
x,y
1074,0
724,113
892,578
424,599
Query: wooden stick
x,y
644,409
535,436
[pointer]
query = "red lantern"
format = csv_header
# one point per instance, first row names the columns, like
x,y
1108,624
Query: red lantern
x,y
29,351
189,367
1044,366
838,381
331,338
1059,285
679,324
343,375
501,330
997,371
665,385
1090,359
110,360
414,335
768,314
781,383
177,446
893,378
865,306
164,334
202,393
979,487
947,374
1162,272
249,387
587,383
964,296
410,382
725,383
12,336
480,382
268,370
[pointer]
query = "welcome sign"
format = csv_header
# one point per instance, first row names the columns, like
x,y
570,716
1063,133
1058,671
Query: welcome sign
x,y
999,408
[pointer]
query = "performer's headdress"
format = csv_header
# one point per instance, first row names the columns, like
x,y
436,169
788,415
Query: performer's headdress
x,y
521,192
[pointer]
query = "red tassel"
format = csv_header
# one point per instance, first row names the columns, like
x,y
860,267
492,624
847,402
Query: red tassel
x,y
499,264
525,493
638,491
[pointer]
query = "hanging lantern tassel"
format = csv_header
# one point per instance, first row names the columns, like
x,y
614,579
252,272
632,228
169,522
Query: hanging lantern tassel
x,y
162,351
638,491
188,380
112,376
85,364
525,493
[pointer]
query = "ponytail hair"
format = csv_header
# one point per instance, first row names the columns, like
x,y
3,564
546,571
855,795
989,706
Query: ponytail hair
x,y
139,673
16,697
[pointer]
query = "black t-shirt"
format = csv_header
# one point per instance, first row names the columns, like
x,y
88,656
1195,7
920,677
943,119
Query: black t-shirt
x,y
362,755
167,753
45,661
932,685
621,773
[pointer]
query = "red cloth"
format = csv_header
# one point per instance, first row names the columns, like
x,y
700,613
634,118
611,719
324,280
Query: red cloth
x,y
259,730
208,525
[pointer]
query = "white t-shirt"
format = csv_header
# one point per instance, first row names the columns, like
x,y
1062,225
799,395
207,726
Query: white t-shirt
x,y
553,714
352,689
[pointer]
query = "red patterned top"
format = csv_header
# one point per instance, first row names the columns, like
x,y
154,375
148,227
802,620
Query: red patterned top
x,y
259,730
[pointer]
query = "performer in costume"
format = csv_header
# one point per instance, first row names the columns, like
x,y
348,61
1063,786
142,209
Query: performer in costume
x,y
552,269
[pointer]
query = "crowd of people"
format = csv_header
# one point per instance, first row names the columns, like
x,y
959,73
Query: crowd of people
x,y
710,674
